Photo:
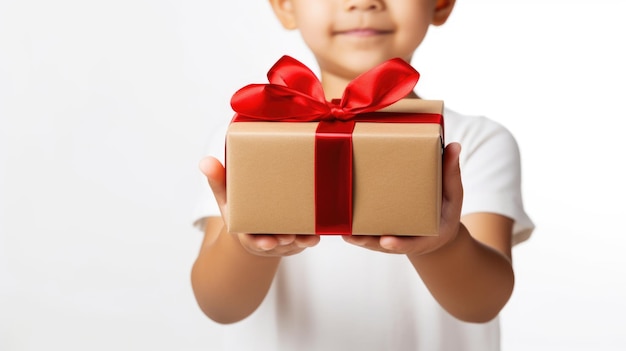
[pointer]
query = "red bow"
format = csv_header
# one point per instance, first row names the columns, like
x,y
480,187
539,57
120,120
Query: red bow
x,y
296,95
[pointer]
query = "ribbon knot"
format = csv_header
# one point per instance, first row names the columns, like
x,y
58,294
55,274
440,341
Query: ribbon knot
x,y
337,113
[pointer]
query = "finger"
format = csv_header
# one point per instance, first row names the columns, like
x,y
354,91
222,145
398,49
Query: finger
x,y
367,241
403,244
216,175
393,243
304,241
285,239
258,242
269,244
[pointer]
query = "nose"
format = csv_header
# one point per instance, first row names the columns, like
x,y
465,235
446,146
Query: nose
x,y
364,5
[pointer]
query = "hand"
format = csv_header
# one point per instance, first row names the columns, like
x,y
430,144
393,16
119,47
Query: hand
x,y
276,245
452,199
272,245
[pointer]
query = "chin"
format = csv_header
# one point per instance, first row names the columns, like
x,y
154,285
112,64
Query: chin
x,y
350,66
363,63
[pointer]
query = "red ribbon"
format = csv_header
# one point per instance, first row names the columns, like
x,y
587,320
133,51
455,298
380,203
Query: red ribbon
x,y
296,95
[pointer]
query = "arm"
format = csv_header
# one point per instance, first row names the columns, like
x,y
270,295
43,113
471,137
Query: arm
x,y
229,283
233,272
470,275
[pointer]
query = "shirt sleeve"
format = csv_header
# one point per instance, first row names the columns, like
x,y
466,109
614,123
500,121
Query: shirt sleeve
x,y
492,176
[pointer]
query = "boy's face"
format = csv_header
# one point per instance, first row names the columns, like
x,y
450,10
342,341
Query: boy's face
x,y
349,37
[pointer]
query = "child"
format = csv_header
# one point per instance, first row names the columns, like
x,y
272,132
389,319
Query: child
x,y
381,292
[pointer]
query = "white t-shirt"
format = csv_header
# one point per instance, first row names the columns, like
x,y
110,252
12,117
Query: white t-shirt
x,y
337,296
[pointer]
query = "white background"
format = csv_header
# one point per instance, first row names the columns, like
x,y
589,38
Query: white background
x,y
106,107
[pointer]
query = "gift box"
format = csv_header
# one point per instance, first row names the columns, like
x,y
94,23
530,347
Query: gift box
x,y
368,164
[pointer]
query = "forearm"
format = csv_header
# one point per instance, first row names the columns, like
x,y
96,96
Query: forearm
x,y
229,282
470,280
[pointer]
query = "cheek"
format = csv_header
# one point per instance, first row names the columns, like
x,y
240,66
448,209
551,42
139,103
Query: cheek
x,y
413,32
313,40
313,21
315,34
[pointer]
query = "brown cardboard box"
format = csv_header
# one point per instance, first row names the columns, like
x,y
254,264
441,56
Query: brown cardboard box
x,y
396,175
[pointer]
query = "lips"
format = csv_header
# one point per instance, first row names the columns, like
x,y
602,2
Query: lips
x,y
363,32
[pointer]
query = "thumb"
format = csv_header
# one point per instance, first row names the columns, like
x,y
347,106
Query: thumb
x,y
452,186
215,172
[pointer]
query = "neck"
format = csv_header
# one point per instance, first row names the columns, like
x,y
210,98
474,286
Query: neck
x,y
333,85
